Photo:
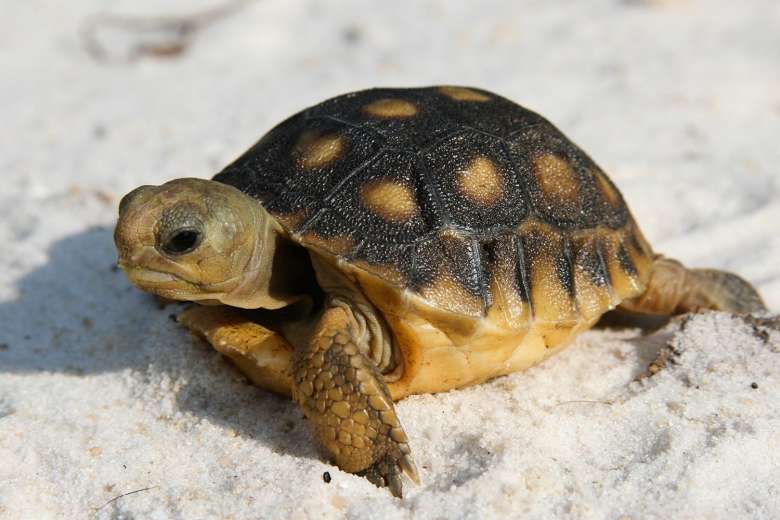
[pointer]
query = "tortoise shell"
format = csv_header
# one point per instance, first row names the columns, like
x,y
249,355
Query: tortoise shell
x,y
457,195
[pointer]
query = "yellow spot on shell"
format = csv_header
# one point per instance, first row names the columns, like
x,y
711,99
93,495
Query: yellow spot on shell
x,y
390,200
556,178
481,182
389,107
315,150
463,94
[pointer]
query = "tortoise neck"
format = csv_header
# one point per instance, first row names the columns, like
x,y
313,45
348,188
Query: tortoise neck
x,y
275,273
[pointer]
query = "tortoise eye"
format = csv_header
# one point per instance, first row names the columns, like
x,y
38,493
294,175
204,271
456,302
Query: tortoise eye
x,y
182,241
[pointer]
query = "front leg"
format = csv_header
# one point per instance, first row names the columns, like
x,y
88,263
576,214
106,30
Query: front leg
x,y
261,354
347,401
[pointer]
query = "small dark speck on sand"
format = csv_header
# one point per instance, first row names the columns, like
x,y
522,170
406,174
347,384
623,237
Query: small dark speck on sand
x,y
352,34
753,385
326,477
99,131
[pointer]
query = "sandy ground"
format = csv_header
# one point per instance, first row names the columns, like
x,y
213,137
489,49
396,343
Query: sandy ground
x,y
102,395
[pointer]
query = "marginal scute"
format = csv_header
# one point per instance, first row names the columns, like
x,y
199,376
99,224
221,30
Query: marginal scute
x,y
607,191
390,200
340,245
315,150
626,282
639,250
390,107
551,298
449,293
463,94
293,220
591,281
481,182
510,306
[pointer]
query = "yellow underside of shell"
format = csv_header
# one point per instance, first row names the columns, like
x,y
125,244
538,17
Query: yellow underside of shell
x,y
435,358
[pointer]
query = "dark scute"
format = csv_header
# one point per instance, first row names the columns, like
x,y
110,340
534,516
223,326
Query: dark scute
x,y
522,278
327,224
409,133
275,163
636,245
390,166
262,171
450,255
291,204
499,116
506,250
564,268
540,248
589,208
444,162
426,262
625,261
603,252
375,251
490,255
585,254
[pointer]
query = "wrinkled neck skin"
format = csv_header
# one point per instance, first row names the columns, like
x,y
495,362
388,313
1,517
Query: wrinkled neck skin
x,y
200,240
272,277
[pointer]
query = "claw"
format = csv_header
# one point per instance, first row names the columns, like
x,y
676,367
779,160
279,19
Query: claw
x,y
386,472
409,468
393,481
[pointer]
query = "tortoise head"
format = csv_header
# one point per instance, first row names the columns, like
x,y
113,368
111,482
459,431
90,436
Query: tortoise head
x,y
196,240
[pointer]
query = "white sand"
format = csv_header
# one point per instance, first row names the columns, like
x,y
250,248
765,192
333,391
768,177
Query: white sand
x,y
101,394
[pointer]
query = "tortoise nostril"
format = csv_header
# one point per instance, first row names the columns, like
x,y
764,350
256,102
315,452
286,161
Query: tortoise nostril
x,y
182,241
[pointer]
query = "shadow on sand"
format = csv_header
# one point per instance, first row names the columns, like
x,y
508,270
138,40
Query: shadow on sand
x,y
77,314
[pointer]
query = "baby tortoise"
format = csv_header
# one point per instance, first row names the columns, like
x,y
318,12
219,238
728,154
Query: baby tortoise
x,y
401,241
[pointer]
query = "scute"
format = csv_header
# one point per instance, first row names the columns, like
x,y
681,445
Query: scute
x,y
474,204
448,163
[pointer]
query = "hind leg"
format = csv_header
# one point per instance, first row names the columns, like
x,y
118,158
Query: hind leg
x,y
674,289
